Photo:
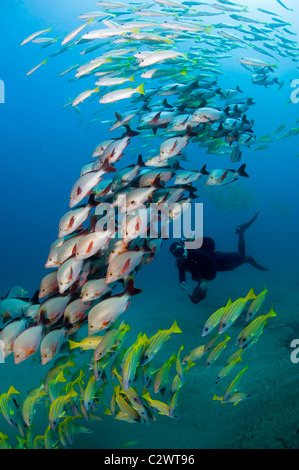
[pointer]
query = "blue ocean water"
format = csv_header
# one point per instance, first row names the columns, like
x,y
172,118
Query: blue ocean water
x,y
43,148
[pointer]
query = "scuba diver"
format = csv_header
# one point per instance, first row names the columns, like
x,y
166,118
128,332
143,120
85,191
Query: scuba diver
x,y
205,262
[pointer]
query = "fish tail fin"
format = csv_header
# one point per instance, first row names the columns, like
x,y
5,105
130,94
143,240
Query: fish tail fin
x,y
241,171
157,183
190,132
140,162
107,411
130,288
140,89
183,72
175,328
73,344
272,313
217,398
45,61
34,298
130,133
166,104
97,89
250,101
42,320
12,390
131,79
107,167
208,29
146,396
251,295
204,171
72,394
91,200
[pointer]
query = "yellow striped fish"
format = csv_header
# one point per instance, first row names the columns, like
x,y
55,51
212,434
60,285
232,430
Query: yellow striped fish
x,y
195,354
234,311
57,408
256,305
254,328
5,406
3,442
173,405
28,408
108,341
162,375
234,385
217,351
124,406
162,408
235,399
224,372
89,392
156,342
214,319
179,367
131,362
134,399
211,342
91,342
234,356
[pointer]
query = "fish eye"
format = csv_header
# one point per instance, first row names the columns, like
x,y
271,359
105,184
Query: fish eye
x,y
17,356
44,356
61,283
112,251
224,325
43,290
91,326
86,295
50,259
110,274
77,253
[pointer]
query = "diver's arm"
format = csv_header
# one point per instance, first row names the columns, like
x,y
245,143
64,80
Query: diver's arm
x,y
199,292
182,274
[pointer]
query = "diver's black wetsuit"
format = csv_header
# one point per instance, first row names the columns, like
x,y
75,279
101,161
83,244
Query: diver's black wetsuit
x,y
204,263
